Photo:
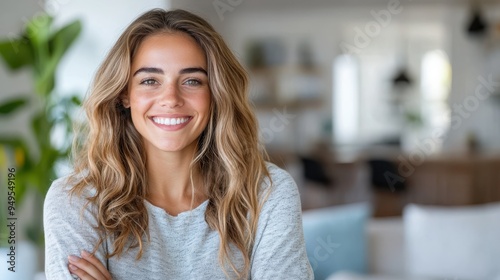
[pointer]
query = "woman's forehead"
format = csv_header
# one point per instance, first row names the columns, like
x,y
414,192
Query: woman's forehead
x,y
169,50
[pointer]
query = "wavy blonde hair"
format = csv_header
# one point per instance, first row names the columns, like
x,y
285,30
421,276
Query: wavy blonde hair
x,y
111,154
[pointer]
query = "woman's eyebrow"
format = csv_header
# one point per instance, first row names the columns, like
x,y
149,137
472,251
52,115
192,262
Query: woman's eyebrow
x,y
193,70
155,70
152,70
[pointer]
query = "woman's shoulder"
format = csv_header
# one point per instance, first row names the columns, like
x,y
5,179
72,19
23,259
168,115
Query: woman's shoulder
x,y
282,185
279,177
60,192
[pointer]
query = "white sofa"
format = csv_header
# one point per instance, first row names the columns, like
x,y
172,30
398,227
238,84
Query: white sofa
x,y
429,243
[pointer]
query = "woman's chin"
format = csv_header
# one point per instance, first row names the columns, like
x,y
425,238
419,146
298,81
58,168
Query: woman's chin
x,y
173,148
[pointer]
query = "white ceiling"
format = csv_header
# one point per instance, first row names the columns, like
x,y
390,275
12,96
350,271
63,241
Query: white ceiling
x,y
260,5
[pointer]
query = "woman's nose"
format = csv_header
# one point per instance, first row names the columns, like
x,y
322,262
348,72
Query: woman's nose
x,y
170,97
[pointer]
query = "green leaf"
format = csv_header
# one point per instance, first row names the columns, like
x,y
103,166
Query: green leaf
x,y
21,187
59,43
38,29
61,40
12,105
16,53
76,100
45,83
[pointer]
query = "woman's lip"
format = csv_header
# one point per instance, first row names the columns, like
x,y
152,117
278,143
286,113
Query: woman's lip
x,y
171,116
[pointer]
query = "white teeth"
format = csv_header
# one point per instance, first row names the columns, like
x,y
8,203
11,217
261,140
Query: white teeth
x,y
170,121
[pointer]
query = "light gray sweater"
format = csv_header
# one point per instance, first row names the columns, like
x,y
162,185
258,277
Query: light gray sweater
x,y
183,246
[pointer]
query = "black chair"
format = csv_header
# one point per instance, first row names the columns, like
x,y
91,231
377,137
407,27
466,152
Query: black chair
x,y
385,176
314,171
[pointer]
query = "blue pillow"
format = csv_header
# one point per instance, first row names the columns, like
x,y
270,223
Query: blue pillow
x,y
336,239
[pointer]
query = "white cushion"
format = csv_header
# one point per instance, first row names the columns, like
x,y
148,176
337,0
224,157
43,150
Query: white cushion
x,y
386,246
453,242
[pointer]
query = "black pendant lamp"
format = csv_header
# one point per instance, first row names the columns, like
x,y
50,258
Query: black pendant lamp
x,y
477,24
401,78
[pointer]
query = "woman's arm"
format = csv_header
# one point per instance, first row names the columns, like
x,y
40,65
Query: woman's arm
x,y
88,267
279,249
69,229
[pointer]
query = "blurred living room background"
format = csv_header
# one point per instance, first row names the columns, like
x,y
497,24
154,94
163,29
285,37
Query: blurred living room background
x,y
385,112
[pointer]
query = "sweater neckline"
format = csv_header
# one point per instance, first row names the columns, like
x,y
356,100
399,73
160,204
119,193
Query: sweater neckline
x,y
158,210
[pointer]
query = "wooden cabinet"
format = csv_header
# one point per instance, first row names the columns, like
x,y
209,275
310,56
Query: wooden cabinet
x,y
455,181
442,181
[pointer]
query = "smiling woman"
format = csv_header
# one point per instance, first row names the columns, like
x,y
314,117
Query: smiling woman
x,y
169,181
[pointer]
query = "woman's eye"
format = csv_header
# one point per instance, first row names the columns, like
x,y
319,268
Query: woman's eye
x,y
193,82
149,82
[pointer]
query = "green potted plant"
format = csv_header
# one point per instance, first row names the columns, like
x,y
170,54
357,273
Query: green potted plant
x,y
40,48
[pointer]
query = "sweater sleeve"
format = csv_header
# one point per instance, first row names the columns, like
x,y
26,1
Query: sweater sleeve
x,y
279,249
69,228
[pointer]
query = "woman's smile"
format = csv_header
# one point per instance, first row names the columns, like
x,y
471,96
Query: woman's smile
x,y
171,123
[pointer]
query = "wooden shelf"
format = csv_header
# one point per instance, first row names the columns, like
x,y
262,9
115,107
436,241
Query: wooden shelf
x,y
290,87
292,105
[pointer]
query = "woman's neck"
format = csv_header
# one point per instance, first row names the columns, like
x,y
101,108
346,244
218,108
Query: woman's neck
x,y
169,181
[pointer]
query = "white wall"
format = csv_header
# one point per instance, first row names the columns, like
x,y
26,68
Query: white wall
x,y
473,58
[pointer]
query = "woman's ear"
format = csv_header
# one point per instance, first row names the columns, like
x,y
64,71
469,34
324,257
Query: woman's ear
x,y
125,100
126,103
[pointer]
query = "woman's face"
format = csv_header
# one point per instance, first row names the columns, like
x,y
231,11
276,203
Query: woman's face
x,y
168,92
